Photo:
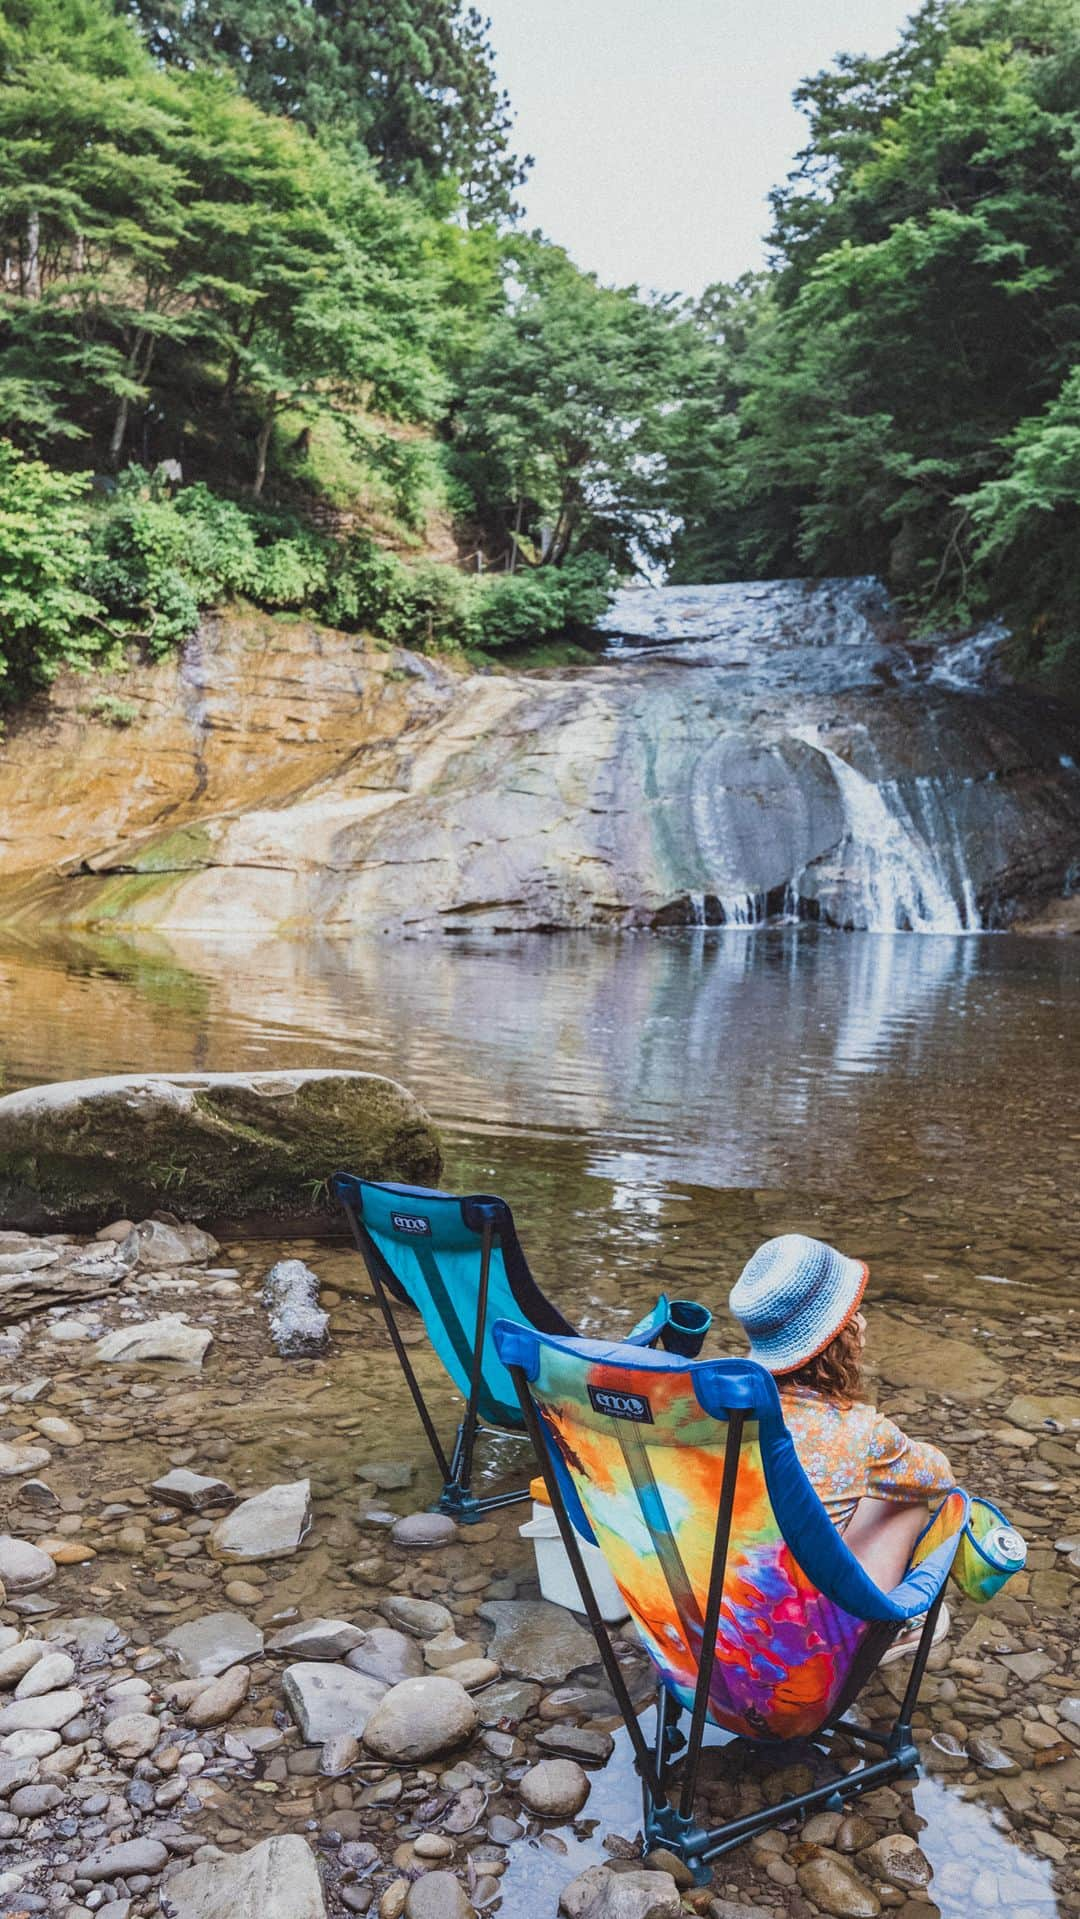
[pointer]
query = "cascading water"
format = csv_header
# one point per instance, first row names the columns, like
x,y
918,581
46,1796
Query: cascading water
x,y
903,881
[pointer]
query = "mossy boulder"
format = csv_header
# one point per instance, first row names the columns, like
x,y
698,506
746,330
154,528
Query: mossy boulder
x,y
245,1147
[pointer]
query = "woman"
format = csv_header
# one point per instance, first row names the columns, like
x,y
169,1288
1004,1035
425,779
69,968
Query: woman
x,y
798,1302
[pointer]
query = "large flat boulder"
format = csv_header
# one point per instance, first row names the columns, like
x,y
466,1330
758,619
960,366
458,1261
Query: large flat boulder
x,y
226,1146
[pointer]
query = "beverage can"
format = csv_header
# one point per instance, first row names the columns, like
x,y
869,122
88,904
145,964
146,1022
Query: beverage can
x,y
1005,1547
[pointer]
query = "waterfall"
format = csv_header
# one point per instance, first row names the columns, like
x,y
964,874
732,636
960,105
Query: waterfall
x,y
904,884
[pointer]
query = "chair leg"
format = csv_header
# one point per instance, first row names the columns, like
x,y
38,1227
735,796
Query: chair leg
x,y
900,1739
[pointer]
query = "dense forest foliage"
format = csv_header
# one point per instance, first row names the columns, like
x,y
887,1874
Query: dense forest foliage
x,y
269,319
900,394
265,316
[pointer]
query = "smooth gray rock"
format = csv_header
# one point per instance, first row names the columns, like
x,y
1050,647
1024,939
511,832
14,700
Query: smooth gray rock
x,y
192,1491
24,1567
421,1617
17,1659
251,1144
277,1879
118,1862
42,1715
268,1526
213,1643
536,1640
318,1639
50,1674
167,1337
600,1893
554,1788
159,1247
388,1655
438,1895
424,1530
419,1718
131,1735
326,1700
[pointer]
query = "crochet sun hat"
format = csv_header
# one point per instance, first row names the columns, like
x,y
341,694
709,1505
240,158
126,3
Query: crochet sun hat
x,y
793,1296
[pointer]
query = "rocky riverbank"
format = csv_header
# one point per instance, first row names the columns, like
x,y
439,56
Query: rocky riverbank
x,y
242,1672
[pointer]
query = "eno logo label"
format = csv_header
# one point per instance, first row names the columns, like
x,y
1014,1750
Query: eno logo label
x,y
410,1223
621,1405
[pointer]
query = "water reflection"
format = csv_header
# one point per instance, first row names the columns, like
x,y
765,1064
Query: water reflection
x,y
779,1059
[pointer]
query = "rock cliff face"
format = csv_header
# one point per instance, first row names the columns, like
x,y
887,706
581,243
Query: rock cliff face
x,y
741,753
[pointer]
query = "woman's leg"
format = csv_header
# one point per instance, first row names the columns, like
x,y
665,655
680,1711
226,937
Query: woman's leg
x,y
882,1534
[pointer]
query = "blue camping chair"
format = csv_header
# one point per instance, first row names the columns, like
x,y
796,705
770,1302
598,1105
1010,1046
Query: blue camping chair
x,y
458,1262
754,1613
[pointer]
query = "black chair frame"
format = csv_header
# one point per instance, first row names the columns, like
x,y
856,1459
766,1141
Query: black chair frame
x,y
457,1497
668,1819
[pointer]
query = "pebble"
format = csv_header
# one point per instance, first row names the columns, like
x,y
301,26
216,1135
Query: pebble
x,y
56,1670
48,1714
130,1856
424,1530
438,1895
219,1700
555,1788
420,1718
131,1735
24,1567
17,1659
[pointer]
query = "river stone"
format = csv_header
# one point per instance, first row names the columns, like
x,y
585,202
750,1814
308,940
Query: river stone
x,y
77,1153
168,1337
212,1644
118,1862
600,1893
419,1718
21,1456
898,1860
438,1895
298,1324
511,1699
554,1788
536,1640
30,1802
424,1529
42,1715
192,1491
159,1247
326,1699
50,1674
268,1526
23,1567
277,1879
17,1659
131,1735
318,1639
387,1654
424,1618
1040,1415
830,1883
220,1699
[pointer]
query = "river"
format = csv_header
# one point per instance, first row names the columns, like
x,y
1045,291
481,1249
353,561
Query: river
x,y
653,1107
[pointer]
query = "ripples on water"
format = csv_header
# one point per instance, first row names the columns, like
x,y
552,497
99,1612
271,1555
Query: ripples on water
x,y
654,1107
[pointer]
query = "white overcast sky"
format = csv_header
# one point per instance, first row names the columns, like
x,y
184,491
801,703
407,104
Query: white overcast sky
x,y
658,126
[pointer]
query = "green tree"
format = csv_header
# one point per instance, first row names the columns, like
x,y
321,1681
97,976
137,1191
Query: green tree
x,y
558,432
923,312
413,80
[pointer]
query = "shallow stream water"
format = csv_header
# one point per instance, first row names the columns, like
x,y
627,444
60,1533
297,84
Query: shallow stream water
x,y
653,1108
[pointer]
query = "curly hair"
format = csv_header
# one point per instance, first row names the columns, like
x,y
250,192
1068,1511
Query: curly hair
x,y
835,1371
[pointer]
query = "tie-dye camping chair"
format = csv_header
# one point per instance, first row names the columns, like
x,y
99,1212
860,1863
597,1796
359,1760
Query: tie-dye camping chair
x,y
754,1613
457,1261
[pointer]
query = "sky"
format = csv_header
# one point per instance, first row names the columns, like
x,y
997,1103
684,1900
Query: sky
x,y
658,126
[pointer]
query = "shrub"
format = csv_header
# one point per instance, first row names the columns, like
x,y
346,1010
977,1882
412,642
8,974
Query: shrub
x,y
47,618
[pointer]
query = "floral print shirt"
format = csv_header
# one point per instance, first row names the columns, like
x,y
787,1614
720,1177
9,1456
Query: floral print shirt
x,y
853,1452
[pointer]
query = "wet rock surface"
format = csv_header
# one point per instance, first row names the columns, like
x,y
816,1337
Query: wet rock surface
x,y
185,1734
74,1153
764,730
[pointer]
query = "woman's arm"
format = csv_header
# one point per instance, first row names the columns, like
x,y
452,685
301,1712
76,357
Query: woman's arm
x,y
904,1469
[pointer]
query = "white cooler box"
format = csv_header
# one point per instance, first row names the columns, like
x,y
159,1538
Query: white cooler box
x,y
553,1568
